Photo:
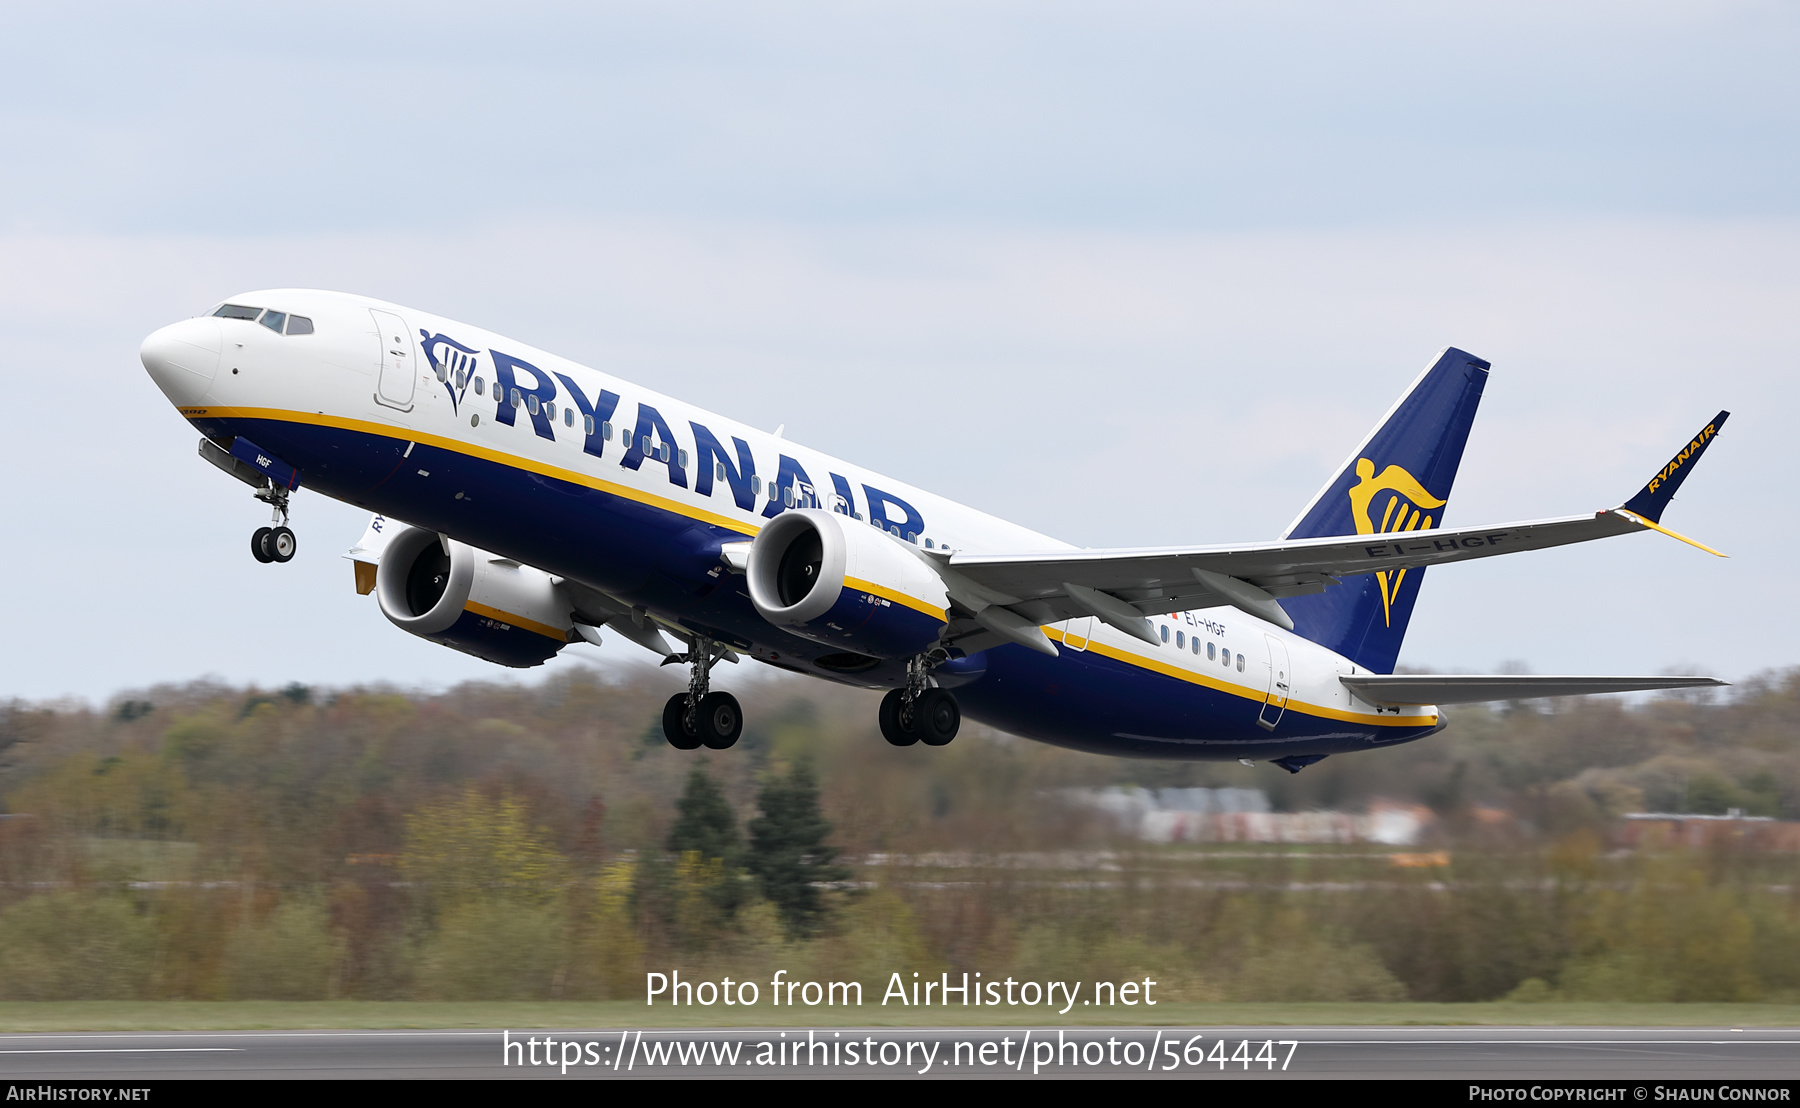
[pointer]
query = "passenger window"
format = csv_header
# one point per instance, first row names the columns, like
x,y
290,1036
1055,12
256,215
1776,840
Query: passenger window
x,y
569,417
605,431
1212,651
1180,640
912,537
1240,661
719,471
299,325
1165,632
477,386
928,544
662,452
462,378
587,425
531,403
1225,656
1196,644
755,485
443,374
274,320
237,311
550,410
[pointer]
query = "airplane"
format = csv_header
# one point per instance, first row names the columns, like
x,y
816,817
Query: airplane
x,y
546,502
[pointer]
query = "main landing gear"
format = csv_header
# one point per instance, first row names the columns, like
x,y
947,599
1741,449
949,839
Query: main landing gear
x,y
277,543
918,713
699,717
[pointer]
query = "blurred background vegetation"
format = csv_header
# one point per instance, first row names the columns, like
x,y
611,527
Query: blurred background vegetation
x,y
541,841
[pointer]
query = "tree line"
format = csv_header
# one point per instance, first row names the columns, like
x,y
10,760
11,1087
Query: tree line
x,y
542,840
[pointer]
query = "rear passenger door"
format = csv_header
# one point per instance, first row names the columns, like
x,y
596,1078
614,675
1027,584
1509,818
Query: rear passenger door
x,y
1280,684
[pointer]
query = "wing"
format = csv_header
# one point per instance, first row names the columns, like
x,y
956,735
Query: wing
x,y
1460,688
1119,587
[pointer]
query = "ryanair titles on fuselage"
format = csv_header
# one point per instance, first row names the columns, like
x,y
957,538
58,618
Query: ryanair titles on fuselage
x,y
518,385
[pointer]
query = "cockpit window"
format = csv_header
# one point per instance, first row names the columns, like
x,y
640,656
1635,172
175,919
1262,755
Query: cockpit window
x,y
272,319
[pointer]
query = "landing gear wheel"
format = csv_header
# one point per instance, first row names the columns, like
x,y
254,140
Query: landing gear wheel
x,y
674,727
282,544
936,717
890,716
719,721
259,544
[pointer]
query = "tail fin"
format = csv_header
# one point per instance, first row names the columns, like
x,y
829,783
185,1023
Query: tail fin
x,y
1398,479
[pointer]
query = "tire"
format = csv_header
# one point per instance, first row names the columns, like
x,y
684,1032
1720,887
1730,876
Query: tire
x,y
259,544
719,721
936,717
282,544
679,737
891,730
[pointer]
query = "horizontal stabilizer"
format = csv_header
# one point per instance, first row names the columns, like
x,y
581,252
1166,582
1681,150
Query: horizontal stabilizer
x,y
1399,689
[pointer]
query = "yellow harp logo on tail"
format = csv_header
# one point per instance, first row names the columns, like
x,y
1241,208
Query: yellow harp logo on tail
x,y
1402,503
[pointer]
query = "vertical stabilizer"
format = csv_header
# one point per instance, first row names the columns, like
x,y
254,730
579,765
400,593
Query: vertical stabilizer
x,y
1398,479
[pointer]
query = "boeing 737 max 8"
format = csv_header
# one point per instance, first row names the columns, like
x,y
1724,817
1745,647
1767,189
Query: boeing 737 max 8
x,y
547,503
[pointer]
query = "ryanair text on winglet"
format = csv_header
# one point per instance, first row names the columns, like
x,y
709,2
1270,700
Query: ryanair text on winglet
x,y
1687,452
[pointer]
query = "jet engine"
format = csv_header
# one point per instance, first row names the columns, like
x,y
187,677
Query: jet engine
x,y
451,593
826,577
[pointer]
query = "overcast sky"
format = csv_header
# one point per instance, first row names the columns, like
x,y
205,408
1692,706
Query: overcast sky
x,y
1126,273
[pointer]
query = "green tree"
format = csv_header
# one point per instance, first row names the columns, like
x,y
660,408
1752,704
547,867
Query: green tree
x,y
706,823
705,839
788,852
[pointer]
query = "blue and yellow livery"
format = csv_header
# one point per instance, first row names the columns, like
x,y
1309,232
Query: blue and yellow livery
x,y
548,503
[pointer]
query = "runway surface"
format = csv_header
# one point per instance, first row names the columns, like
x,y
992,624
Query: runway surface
x,y
1629,1055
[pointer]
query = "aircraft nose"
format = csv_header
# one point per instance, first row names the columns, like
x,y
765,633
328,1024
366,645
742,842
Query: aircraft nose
x,y
183,357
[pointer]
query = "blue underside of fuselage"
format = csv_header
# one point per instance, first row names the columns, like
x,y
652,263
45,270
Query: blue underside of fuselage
x,y
670,564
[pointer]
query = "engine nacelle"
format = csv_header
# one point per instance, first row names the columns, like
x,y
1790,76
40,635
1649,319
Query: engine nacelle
x,y
497,610
828,578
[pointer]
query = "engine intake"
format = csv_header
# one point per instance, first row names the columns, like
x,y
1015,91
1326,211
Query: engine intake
x,y
825,577
469,600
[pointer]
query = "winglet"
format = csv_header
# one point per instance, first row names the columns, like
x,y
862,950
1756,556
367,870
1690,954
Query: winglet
x,y
1653,498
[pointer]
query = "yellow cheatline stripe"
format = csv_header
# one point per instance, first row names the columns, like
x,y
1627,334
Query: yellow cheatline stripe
x,y
543,629
401,434
573,476
1635,518
1248,694
915,604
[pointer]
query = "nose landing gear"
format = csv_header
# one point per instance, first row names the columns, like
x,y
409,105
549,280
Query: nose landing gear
x,y
277,543
700,717
918,713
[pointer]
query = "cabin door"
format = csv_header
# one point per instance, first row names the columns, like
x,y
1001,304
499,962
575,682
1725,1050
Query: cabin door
x,y
1280,684
399,362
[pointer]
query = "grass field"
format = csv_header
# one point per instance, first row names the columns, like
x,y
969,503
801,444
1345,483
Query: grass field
x,y
177,1015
